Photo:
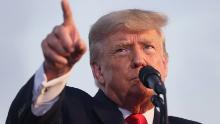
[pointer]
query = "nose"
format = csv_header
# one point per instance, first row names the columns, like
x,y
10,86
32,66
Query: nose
x,y
138,59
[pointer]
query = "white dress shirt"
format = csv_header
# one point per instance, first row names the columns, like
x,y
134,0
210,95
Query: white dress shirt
x,y
46,93
149,115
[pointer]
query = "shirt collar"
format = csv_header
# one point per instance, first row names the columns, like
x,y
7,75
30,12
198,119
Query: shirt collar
x,y
149,115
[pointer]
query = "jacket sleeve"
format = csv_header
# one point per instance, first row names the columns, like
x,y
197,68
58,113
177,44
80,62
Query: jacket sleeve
x,y
20,109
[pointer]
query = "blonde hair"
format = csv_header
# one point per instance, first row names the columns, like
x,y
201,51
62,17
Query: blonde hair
x,y
130,20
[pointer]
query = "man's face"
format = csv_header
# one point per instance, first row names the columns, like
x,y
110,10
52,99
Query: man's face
x,y
122,56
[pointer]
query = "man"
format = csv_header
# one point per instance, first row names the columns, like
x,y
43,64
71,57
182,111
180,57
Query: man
x,y
120,44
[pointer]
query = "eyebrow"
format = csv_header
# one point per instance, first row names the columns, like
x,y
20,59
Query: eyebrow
x,y
129,43
123,44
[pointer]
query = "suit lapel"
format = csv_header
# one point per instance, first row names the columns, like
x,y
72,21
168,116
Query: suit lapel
x,y
106,110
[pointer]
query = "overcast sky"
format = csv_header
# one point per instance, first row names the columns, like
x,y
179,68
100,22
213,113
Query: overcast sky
x,y
192,37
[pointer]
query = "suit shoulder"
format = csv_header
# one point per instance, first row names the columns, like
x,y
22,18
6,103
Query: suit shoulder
x,y
72,91
178,120
75,94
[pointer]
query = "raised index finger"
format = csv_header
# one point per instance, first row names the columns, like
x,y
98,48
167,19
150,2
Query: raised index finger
x,y
67,13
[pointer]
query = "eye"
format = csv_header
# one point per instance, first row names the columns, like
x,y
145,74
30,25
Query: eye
x,y
149,48
120,50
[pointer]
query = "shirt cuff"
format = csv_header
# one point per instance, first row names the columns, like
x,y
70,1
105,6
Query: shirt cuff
x,y
46,93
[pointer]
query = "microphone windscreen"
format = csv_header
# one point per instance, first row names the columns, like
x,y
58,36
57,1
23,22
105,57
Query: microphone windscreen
x,y
147,71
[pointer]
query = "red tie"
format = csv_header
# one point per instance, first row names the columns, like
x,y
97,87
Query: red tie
x,y
136,119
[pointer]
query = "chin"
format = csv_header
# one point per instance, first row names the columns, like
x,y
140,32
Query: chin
x,y
138,99
141,107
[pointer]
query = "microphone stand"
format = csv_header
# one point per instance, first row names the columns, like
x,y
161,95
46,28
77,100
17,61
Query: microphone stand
x,y
151,78
160,101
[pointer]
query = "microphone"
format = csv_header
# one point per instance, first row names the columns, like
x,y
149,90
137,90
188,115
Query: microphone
x,y
151,78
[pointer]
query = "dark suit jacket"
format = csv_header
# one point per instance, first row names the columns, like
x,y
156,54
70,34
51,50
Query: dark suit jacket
x,y
74,107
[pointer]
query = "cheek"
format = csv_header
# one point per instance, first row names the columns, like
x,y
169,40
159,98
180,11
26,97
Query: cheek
x,y
109,71
115,76
117,66
160,64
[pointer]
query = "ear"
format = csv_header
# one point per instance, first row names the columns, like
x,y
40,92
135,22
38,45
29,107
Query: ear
x,y
97,73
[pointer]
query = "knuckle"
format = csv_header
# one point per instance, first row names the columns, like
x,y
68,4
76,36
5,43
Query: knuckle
x,y
58,29
43,44
50,56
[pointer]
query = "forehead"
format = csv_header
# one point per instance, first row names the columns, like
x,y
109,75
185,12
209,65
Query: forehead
x,y
145,36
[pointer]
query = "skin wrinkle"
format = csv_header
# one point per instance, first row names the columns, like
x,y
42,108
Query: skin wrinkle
x,y
120,68
130,21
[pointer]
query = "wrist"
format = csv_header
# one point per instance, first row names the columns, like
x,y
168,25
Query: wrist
x,y
55,70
